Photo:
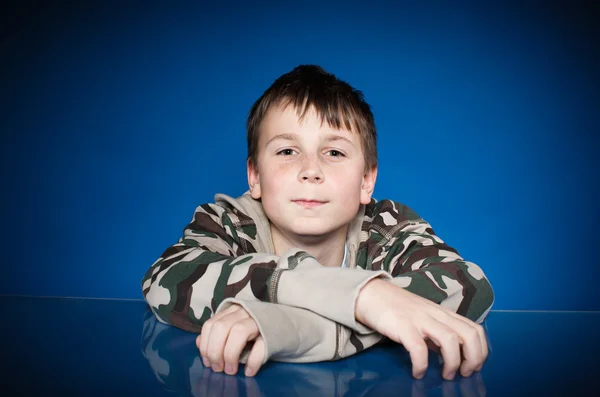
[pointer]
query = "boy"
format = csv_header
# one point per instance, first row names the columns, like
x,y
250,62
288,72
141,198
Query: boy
x,y
306,266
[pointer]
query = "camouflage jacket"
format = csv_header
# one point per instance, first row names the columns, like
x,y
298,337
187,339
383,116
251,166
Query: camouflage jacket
x,y
305,311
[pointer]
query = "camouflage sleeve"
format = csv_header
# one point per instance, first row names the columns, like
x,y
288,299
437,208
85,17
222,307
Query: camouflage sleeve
x,y
214,259
422,263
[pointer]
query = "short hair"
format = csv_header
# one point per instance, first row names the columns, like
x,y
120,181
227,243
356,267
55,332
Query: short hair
x,y
335,101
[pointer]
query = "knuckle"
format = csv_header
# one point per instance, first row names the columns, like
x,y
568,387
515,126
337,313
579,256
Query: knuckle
x,y
478,363
420,349
451,337
214,355
219,327
238,329
479,329
472,335
206,326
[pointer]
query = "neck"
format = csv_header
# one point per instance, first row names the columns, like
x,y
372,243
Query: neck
x,y
327,250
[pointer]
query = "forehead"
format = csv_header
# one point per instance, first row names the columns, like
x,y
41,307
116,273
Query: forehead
x,y
288,118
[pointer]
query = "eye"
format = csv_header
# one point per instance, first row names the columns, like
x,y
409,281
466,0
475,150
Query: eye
x,y
286,152
335,153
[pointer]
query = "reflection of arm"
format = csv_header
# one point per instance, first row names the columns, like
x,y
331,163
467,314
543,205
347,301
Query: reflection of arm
x,y
173,357
298,335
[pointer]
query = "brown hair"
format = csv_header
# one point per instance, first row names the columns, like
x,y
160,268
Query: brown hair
x,y
334,100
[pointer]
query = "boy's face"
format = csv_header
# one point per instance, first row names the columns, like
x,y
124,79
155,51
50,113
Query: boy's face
x,y
311,178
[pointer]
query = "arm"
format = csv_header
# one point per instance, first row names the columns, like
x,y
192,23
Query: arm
x,y
253,332
216,259
302,336
396,241
434,299
420,262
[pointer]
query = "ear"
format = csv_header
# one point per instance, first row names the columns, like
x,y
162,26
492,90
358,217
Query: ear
x,y
253,180
368,185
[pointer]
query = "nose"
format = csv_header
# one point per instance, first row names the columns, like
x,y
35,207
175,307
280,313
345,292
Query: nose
x,y
311,171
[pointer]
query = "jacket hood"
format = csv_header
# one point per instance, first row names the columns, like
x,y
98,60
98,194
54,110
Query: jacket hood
x,y
254,209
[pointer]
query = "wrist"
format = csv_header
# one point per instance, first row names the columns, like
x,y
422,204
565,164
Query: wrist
x,y
365,299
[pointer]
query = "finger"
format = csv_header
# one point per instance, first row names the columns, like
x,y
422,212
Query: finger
x,y
199,344
449,344
219,332
482,336
256,357
415,344
241,332
470,334
484,343
203,339
482,339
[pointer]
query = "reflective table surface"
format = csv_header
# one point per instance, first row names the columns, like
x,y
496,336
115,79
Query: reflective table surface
x,y
92,347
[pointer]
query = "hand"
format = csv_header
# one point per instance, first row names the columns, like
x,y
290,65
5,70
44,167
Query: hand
x,y
224,337
417,323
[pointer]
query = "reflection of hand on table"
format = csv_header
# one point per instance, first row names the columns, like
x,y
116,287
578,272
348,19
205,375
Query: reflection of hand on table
x,y
174,358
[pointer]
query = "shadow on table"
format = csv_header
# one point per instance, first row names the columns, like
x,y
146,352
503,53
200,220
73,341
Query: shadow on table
x,y
175,361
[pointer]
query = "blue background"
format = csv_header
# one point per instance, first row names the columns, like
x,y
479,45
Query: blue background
x,y
119,118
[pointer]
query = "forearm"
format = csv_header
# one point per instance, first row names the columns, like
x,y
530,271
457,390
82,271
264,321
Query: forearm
x,y
185,288
298,335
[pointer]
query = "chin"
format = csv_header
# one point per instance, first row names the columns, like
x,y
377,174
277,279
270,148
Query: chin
x,y
308,230
303,228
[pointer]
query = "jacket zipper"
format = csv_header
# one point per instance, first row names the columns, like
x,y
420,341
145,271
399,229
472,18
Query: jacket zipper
x,y
338,338
273,285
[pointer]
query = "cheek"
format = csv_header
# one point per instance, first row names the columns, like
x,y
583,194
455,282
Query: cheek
x,y
348,179
277,176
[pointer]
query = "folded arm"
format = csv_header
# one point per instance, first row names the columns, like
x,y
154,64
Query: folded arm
x,y
289,334
435,298
433,270
215,259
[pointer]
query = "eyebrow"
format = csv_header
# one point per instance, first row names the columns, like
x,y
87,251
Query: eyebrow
x,y
285,137
293,137
333,138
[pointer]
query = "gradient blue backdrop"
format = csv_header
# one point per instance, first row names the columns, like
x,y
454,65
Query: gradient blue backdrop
x,y
119,118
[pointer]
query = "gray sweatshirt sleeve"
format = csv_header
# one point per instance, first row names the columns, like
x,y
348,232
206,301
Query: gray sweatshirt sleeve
x,y
298,335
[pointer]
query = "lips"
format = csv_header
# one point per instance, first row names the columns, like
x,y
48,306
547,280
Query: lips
x,y
309,203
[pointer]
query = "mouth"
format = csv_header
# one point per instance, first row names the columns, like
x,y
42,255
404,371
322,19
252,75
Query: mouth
x,y
309,203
